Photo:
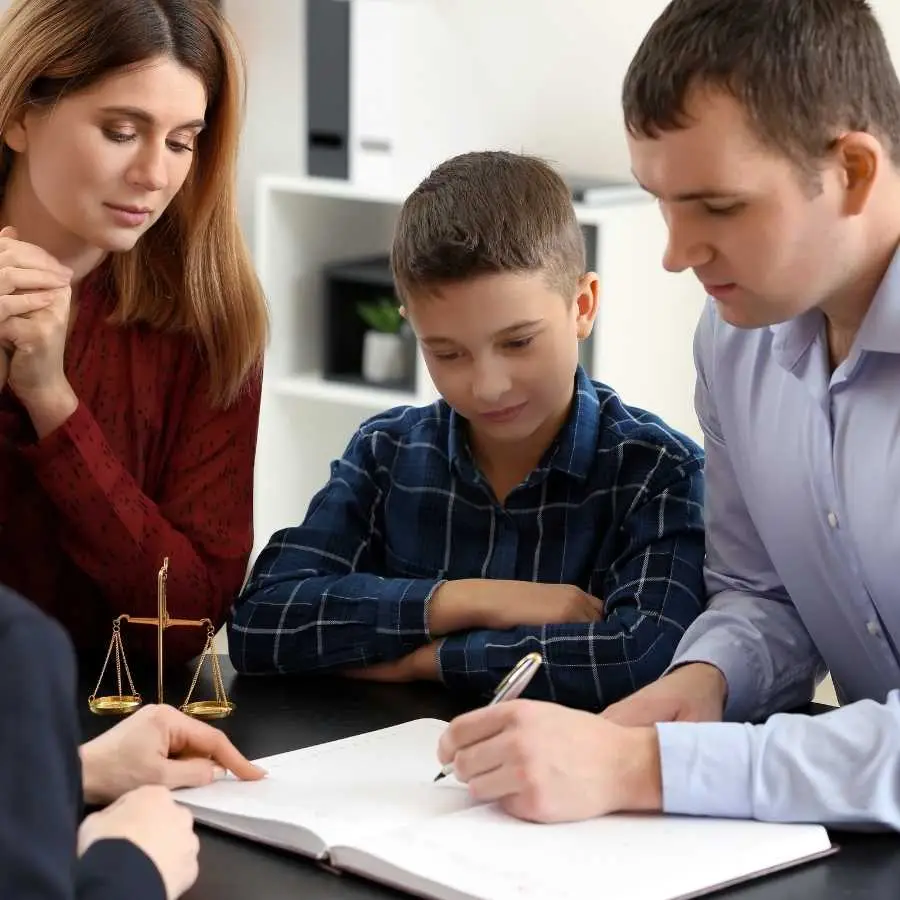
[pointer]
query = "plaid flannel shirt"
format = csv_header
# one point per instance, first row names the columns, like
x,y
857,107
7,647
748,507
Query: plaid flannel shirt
x,y
614,507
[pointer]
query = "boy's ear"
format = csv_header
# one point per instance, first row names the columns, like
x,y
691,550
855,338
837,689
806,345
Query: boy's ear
x,y
587,302
402,311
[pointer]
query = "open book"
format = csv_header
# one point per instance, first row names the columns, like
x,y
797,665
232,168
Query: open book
x,y
369,805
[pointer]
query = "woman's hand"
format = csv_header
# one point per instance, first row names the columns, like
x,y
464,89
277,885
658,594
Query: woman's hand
x,y
35,293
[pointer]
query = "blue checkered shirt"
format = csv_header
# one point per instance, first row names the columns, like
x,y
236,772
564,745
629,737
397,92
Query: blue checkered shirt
x,y
615,507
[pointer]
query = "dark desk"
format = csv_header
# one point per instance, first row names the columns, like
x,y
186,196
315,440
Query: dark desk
x,y
274,715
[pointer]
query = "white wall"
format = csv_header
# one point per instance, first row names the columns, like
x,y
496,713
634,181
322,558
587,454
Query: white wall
x,y
553,67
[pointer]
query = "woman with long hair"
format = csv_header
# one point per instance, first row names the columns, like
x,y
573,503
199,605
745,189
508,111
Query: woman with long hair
x,y
132,325
131,338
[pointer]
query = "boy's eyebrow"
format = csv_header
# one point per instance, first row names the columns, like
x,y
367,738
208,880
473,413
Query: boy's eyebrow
x,y
518,326
437,340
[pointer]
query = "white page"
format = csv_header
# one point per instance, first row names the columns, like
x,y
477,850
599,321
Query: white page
x,y
483,853
341,790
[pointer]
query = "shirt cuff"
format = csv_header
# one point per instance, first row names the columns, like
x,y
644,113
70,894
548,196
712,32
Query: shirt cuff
x,y
78,438
463,665
69,432
745,688
427,611
707,768
401,620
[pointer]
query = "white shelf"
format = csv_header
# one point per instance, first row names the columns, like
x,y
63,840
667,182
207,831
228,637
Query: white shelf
x,y
333,188
339,189
366,397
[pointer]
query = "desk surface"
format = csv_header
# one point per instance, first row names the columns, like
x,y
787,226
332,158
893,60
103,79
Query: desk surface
x,y
274,715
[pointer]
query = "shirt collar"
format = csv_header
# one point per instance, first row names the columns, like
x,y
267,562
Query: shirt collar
x,y
573,450
794,337
459,454
879,331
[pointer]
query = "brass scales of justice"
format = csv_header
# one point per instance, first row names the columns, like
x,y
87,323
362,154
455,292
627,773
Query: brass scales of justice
x,y
121,703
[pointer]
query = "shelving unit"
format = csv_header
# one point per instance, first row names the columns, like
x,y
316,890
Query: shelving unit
x,y
641,343
314,387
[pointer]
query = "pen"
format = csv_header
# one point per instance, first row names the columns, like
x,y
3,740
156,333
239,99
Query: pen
x,y
511,687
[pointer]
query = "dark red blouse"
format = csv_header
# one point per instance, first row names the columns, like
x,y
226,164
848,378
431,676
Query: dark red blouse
x,y
145,468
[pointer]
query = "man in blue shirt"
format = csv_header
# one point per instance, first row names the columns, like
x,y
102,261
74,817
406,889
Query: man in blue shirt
x,y
527,510
769,130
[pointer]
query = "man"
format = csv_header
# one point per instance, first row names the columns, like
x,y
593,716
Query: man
x,y
769,132
143,845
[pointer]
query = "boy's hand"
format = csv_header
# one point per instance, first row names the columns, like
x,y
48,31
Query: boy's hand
x,y
483,603
526,603
420,665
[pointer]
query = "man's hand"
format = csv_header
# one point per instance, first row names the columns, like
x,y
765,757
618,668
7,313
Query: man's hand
x,y
546,763
472,603
420,665
695,692
154,822
158,745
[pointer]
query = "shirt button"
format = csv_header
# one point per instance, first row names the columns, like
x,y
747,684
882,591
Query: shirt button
x,y
833,519
873,628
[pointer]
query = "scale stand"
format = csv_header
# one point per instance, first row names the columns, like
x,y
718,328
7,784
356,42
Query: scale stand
x,y
121,703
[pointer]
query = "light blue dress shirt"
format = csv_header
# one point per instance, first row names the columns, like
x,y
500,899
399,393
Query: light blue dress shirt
x,y
803,570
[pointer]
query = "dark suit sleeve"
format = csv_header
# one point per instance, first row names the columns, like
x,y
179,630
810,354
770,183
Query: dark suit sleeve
x,y
40,775
111,870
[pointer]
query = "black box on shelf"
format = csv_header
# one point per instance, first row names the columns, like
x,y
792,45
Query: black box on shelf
x,y
327,54
358,293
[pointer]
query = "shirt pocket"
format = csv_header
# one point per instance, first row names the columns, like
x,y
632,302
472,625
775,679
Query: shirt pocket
x,y
400,567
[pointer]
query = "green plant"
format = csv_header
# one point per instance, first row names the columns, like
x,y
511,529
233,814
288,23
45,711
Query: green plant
x,y
382,314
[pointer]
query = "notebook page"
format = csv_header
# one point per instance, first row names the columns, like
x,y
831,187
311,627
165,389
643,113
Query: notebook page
x,y
374,782
484,854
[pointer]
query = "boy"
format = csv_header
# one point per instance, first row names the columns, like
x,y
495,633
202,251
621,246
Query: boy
x,y
529,509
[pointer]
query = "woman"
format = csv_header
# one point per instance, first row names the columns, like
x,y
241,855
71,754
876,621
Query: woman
x,y
132,326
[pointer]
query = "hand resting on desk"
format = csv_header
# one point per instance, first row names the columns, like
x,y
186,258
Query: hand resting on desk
x,y
695,692
158,745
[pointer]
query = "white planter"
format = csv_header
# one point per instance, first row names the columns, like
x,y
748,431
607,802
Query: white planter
x,y
384,357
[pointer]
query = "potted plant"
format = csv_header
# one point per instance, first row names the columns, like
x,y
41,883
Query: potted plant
x,y
384,356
